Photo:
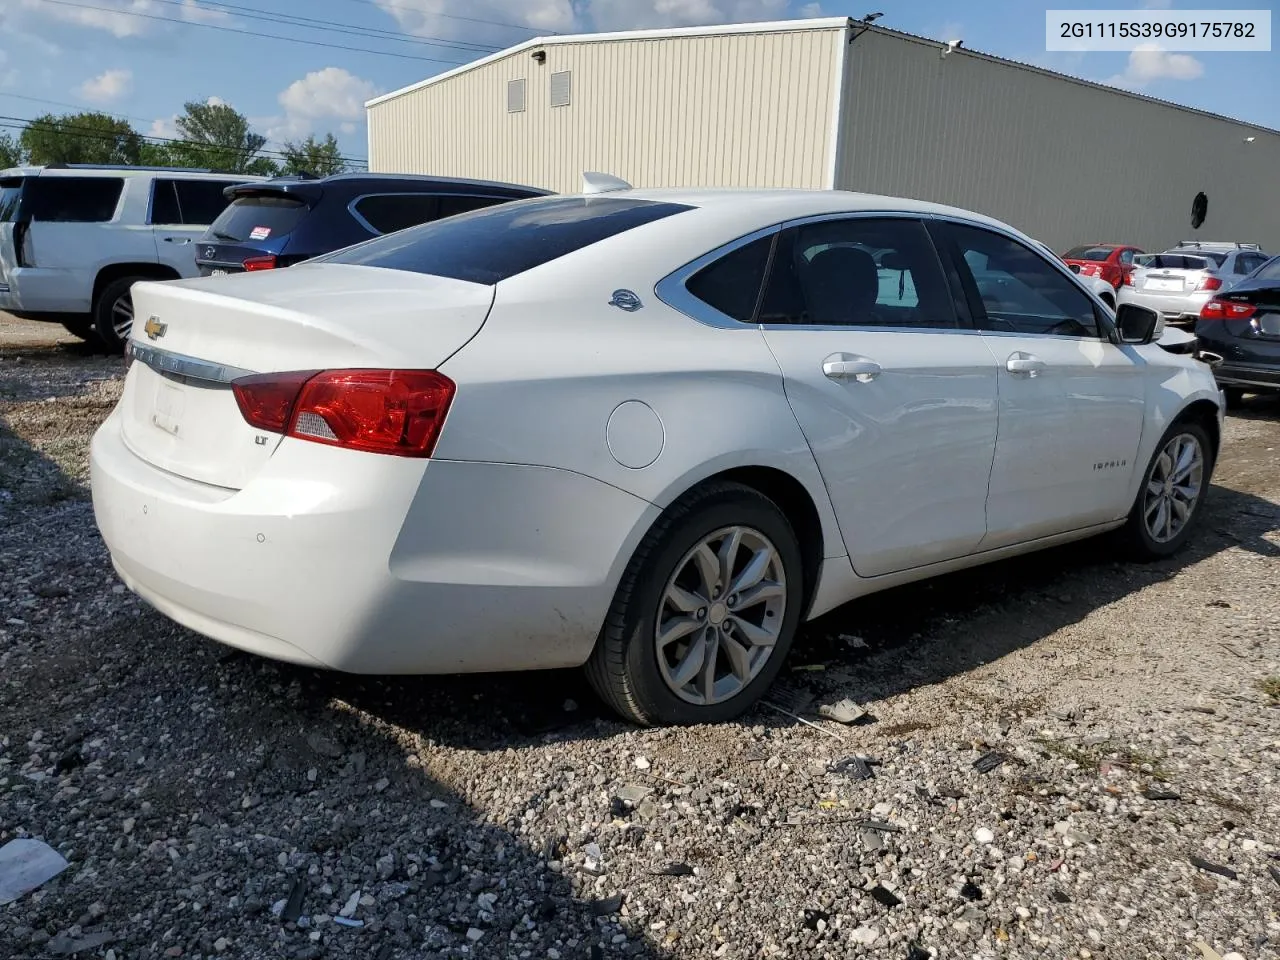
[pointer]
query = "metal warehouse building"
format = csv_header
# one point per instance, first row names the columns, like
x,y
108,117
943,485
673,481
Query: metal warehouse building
x,y
836,103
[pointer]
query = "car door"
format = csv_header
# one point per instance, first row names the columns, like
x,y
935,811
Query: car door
x,y
1072,403
894,390
181,211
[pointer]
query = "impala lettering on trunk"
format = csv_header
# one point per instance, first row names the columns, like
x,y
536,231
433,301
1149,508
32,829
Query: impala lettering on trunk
x,y
154,328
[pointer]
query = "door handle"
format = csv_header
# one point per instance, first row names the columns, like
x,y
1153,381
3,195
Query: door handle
x,y
177,239
1024,365
849,366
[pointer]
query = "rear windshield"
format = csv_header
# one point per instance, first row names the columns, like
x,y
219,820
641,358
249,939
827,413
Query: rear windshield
x,y
1179,261
489,245
1215,259
10,194
1087,253
259,216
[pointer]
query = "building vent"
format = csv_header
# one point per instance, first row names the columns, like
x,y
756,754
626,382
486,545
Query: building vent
x,y
560,89
515,96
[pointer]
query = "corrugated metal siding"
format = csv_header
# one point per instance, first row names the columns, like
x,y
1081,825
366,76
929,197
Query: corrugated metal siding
x,y
1065,162
732,110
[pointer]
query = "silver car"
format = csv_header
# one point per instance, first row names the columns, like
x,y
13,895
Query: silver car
x,y
1180,281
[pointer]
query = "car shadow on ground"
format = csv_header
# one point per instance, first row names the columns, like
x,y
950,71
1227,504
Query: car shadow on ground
x,y
241,782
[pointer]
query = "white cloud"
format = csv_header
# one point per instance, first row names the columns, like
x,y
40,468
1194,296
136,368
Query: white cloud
x,y
107,86
810,11
166,127
120,17
322,98
1149,63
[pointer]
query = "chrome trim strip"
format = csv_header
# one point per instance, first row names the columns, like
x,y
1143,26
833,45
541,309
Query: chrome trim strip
x,y
181,365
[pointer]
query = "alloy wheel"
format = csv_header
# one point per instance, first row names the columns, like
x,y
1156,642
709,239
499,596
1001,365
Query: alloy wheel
x,y
1173,488
721,615
122,316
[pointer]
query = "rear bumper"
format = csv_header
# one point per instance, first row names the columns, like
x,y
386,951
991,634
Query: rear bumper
x,y
1244,375
37,290
1180,310
372,564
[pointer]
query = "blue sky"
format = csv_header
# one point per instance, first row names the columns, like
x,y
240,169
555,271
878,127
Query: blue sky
x,y
58,55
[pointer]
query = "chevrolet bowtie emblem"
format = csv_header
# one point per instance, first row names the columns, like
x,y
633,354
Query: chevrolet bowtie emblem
x,y
155,329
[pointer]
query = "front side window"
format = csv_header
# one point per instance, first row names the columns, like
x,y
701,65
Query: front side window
x,y
201,201
859,271
490,245
1017,290
73,199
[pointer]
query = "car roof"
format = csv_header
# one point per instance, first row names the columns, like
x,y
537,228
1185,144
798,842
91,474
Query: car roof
x,y
97,170
385,179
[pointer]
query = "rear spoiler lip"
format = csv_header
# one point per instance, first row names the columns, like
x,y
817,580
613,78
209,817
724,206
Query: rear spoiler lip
x,y
302,190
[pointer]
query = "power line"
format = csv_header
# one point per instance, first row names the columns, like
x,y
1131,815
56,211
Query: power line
x,y
454,16
115,116
88,133
253,33
310,23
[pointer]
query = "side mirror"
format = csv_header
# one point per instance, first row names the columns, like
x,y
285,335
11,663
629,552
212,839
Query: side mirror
x,y
1136,324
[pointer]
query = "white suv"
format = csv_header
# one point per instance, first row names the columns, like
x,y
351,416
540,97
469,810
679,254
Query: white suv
x,y
75,238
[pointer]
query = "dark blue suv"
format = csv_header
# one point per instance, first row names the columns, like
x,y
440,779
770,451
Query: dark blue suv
x,y
283,221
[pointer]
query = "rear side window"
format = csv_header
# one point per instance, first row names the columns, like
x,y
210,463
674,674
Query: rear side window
x,y
389,212
73,199
732,283
487,246
201,201
10,195
258,216
453,204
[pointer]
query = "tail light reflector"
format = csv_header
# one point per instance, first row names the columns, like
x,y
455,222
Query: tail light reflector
x,y
398,412
1227,310
266,262
1210,283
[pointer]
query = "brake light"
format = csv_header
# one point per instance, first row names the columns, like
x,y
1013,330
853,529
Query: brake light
x,y
1227,310
267,262
1128,279
1210,283
399,412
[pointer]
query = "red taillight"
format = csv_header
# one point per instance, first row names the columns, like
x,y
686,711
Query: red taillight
x,y
266,399
1227,310
1210,283
1128,279
399,412
267,262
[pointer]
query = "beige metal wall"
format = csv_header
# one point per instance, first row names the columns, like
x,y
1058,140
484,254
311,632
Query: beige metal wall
x,y
1064,161
741,109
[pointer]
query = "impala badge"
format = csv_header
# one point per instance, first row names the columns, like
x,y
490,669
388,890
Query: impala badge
x,y
154,328
625,300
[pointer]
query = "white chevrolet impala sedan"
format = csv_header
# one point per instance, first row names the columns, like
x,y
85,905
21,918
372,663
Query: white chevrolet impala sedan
x,y
649,432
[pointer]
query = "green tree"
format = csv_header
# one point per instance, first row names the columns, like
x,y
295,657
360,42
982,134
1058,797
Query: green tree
x,y
80,138
321,157
10,152
217,136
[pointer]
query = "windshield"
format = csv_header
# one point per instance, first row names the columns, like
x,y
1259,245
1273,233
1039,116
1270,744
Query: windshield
x,y
495,243
1088,253
258,217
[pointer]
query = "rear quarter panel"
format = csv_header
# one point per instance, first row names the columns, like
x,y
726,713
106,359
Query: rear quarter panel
x,y
541,380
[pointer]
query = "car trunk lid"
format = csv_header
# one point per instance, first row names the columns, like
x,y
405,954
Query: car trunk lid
x,y
1174,274
192,338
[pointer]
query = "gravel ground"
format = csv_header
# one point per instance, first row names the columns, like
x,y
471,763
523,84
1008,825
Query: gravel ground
x,y
194,789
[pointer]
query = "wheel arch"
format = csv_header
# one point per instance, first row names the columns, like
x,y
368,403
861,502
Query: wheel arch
x,y
118,271
1205,414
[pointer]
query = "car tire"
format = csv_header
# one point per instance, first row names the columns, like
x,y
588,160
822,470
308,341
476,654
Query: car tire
x,y
1155,529
111,310
1234,396
642,678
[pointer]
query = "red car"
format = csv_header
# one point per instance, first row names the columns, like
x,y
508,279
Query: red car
x,y
1110,261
